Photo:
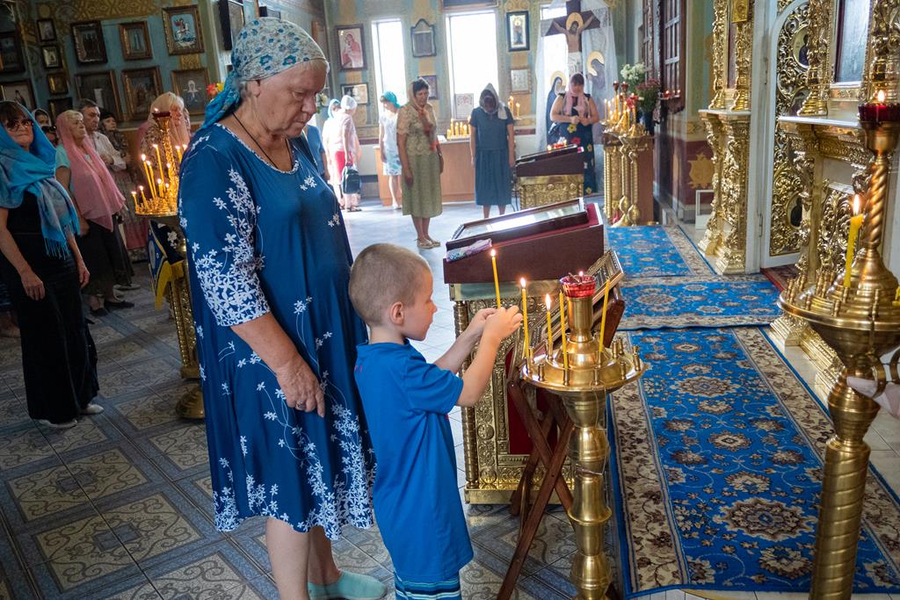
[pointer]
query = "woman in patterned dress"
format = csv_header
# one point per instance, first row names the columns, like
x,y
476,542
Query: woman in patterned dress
x,y
574,114
387,143
422,164
276,333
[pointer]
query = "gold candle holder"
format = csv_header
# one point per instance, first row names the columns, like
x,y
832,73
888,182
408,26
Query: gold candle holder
x,y
581,380
861,323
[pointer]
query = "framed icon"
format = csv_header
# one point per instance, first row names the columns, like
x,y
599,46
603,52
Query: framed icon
x,y
231,15
18,91
351,48
50,56
357,91
135,39
142,86
100,87
422,36
58,106
183,34
191,84
11,59
517,31
268,11
431,80
46,30
58,83
90,47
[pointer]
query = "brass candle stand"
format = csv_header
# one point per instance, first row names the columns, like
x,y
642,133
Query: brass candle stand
x,y
581,379
162,206
861,322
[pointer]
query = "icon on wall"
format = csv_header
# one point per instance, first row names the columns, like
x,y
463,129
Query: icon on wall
x,y
58,83
357,91
46,30
142,86
90,47
99,87
231,14
183,35
18,91
422,36
191,84
50,56
135,39
517,31
351,48
11,59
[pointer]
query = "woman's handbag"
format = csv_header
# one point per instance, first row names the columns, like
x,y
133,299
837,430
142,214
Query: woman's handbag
x,y
350,182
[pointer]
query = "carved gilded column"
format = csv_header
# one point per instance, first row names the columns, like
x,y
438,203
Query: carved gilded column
x,y
821,70
713,236
732,252
720,53
883,50
743,51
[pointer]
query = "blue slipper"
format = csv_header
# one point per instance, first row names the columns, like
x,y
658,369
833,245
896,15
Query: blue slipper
x,y
350,586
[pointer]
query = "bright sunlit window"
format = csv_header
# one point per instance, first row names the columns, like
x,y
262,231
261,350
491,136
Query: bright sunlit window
x,y
556,52
390,64
473,52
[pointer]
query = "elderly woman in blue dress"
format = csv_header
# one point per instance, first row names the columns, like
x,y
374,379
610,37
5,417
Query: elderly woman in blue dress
x,y
492,141
276,333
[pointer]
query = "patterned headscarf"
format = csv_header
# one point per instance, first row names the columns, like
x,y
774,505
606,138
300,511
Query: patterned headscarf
x,y
265,47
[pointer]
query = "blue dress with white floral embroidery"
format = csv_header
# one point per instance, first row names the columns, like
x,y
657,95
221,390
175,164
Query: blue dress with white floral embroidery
x,y
263,241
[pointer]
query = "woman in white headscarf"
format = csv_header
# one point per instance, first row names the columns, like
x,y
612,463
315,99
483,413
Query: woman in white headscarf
x,y
276,332
331,140
492,141
348,155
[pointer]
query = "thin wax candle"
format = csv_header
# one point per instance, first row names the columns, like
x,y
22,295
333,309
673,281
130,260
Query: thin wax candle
x,y
549,327
524,285
603,316
496,280
856,222
159,164
562,323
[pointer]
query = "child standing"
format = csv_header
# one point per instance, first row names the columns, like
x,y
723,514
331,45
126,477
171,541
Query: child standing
x,y
406,403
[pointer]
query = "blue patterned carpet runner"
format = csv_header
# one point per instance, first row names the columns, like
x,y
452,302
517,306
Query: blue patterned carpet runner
x,y
656,252
717,462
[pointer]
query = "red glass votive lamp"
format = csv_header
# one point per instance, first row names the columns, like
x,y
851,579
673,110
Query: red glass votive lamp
x,y
579,286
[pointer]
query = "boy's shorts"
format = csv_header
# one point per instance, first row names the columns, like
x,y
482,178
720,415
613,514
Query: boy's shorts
x,y
443,590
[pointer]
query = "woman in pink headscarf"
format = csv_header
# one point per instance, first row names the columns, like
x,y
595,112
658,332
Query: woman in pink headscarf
x,y
97,199
573,115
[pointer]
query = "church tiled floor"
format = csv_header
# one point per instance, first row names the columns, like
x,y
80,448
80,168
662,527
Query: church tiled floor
x,y
120,506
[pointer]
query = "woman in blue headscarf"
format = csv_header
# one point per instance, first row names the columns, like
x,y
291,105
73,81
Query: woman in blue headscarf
x,y
41,264
276,333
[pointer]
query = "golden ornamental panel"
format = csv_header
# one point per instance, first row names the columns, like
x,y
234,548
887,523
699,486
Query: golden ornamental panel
x,y
787,210
743,51
731,255
719,54
542,190
713,235
821,69
882,69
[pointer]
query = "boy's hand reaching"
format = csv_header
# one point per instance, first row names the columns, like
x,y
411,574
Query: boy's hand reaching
x,y
476,325
502,324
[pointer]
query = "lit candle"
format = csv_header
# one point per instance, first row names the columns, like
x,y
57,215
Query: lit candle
x,y
147,172
159,164
549,327
496,279
856,221
518,112
562,322
603,316
524,285
880,96
134,199
143,197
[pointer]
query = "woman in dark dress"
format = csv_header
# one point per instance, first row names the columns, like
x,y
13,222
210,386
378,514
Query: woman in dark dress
x,y
574,114
41,264
493,145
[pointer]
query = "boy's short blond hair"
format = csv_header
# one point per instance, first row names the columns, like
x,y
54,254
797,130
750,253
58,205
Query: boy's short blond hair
x,y
381,275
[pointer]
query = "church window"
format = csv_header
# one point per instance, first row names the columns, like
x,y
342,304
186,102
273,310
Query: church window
x,y
472,43
390,61
672,61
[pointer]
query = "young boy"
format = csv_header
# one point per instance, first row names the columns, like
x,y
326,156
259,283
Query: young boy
x,y
406,403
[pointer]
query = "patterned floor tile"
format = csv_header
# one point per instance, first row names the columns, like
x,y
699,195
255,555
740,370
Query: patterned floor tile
x,y
151,526
552,542
142,591
124,349
13,411
147,411
119,382
46,492
106,473
89,431
180,450
22,446
156,371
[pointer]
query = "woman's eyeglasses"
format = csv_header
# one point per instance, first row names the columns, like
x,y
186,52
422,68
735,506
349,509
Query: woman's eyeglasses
x,y
13,125
48,129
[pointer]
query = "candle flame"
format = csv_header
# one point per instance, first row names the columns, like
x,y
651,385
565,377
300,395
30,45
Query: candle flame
x,y
134,193
855,204
140,187
547,301
493,253
522,282
143,158
155,146
880,96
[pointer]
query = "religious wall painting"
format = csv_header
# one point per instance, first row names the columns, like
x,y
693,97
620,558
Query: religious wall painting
x,y
572,25
357,91
58,83
231,16
183,34
101,88
852,34
191,84
431,80
11,59
18,91
57,106
50,56
46,30
422,37
90,47
351,48
518,31
800,48
520,81
135,39
268,11
142,86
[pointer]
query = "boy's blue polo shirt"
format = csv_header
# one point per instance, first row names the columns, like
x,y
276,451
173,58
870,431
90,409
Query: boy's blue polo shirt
x,y
417,505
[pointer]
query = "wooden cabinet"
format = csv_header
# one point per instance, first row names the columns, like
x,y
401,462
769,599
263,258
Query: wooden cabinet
x,y
457,180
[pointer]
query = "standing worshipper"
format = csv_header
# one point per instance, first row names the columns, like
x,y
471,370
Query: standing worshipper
x,y
387,143
350,154
421,160
276,333
332,142
492,141
574,114
134,229
43,118
81,171
42,265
